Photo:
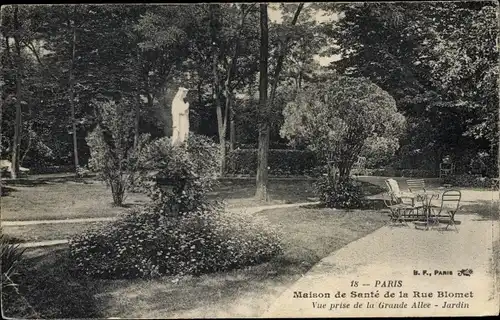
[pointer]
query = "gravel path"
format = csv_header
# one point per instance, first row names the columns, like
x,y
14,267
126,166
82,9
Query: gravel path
x,y
393,254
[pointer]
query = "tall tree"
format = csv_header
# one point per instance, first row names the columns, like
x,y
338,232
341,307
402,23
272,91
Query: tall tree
x,y
264,104
439,62
16,144
71,87
263,149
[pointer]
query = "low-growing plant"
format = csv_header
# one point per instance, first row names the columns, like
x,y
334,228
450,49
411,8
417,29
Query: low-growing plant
x,y
147,243
345,195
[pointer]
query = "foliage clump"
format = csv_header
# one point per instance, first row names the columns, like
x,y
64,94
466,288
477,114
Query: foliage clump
x,y
347,195
341,120
182,231
178,178
147,243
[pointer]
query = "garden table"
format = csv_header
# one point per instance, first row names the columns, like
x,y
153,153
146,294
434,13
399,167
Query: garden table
x,y
426,198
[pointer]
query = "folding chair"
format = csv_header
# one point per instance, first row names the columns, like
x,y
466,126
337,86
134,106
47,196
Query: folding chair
x,y
416,185
393,187
397,209
450,203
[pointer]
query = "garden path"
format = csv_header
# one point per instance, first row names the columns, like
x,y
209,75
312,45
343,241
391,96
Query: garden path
x,y
395,254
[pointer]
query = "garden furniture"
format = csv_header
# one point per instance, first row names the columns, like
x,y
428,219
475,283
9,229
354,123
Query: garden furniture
x,y
393,187
450,204
397,205
426,206
446,168
398,210
416,185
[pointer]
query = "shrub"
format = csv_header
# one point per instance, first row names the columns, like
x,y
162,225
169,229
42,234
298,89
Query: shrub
x,y
469,181
112,152
343,118
147,243
181,231
346,195
391,172
178,178
281,162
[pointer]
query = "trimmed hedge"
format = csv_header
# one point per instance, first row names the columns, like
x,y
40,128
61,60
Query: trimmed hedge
x,y
469,181
280,162
391,172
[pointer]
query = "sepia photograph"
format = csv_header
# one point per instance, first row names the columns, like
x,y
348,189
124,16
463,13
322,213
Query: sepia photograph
x,y
250,160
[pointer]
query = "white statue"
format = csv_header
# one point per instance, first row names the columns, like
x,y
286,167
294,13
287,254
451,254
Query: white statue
x,y
180,117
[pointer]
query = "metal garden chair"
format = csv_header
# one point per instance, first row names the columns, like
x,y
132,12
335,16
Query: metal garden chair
x,y
416,185
450,204
398,210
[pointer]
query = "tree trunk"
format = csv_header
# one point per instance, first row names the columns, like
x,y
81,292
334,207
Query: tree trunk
x,y
281,56
137,111
200,103
220,120
264,129
16,145
216,91
263,149
72,93
232,129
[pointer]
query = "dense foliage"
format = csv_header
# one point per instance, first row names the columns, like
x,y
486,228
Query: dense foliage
x,y
469,181
347,195
281,162
147,243
437,60
342,119
182,231
178,178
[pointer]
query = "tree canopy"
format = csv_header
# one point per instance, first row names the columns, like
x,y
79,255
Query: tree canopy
x,y
438,61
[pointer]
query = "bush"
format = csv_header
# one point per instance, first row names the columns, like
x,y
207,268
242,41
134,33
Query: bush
x,y
280,162
145,244
112,152
469,181
346,195
178,178
181,232
391,172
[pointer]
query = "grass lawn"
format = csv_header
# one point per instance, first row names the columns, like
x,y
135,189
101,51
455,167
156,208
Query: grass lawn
x,y
488,210
67,199
309,234
40,232
62,200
